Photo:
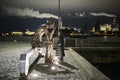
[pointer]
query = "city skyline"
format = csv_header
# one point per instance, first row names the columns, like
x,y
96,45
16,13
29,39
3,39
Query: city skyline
x,y
19,15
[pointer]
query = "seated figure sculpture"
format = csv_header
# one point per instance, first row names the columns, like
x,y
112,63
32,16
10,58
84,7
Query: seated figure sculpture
x,y
48,29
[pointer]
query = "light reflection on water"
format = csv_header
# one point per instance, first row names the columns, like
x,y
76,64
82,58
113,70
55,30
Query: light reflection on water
x,y
105,38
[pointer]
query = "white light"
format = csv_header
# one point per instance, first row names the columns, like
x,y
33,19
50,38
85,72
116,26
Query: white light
x,y
55,58
53,68
56,62
35,75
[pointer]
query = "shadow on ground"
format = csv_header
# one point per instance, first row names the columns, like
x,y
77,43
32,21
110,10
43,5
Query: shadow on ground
x,y
63,68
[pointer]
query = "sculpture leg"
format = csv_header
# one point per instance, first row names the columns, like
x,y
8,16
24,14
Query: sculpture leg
x,y
48,57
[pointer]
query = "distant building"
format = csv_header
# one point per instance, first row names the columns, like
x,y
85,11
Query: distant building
x,y
4,34
114,25
110,27
16,33
106,27
93,29
62,28
29,33
115,29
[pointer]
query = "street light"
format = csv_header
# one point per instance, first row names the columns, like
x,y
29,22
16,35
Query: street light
x,y
58,16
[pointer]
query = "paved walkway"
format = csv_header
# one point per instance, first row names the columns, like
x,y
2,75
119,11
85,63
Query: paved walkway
x,y
74,67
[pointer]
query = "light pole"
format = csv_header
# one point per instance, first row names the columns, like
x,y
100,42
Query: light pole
x,y
58,16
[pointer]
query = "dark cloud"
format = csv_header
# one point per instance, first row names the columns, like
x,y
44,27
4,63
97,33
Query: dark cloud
x,y
70,5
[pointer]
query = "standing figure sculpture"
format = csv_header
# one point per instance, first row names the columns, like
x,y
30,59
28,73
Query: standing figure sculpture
x,y
48,29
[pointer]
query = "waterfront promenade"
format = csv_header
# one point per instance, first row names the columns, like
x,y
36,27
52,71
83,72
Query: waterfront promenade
x,y
74,67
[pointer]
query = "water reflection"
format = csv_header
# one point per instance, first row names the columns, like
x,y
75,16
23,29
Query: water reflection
x,y
105,38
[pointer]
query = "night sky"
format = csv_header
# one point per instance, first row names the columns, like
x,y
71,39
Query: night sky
x,y
17,15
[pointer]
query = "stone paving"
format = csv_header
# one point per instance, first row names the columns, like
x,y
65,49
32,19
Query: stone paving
x,y
74,66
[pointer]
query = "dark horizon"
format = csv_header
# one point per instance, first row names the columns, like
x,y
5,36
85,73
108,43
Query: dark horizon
x,y
20,24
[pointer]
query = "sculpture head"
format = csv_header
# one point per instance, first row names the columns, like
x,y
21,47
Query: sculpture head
x,y
50,24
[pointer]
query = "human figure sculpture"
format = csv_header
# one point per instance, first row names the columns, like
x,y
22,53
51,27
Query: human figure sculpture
x,y
48,29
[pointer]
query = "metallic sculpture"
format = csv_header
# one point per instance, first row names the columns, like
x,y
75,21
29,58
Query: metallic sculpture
x,y
48,29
